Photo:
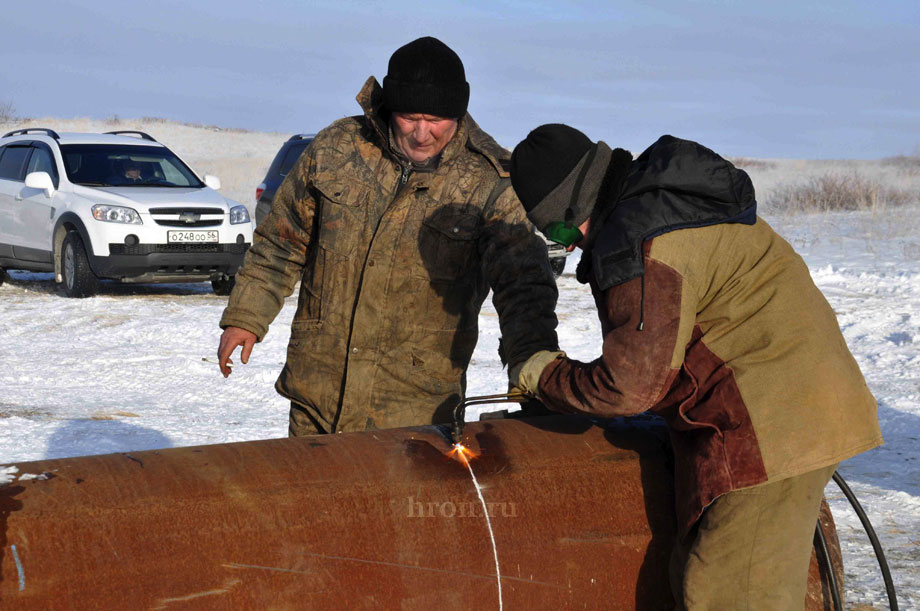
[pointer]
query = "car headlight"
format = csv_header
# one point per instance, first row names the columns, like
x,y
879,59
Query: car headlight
x,y
239,214
116,214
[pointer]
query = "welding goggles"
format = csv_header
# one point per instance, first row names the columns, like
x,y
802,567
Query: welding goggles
x,y
563,233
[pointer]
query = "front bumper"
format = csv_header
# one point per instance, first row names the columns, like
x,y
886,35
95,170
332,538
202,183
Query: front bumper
x,y
554,250
169,262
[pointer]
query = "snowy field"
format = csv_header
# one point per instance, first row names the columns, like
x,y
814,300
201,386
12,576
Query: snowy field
x,y
134,368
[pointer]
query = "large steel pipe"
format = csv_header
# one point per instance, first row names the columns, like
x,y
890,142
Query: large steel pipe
x,y
581,517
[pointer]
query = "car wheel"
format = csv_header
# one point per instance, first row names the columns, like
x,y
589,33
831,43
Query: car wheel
x,y
558,264
78,279
2,275
223,285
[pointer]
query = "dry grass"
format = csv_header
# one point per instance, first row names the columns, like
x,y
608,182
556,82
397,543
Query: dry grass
x,y
7,112
907,163
838,192
747,163
786,186
112,415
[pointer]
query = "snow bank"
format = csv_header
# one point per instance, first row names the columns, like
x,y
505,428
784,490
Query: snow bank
x,y
7,475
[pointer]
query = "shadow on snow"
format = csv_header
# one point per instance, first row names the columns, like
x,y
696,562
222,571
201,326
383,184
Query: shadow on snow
x,y
87,437
44,283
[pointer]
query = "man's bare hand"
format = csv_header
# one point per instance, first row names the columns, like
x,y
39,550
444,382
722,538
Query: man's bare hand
x,y
229,340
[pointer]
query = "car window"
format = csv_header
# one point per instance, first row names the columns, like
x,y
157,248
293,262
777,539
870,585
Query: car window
x,y
12,161
126,165
41,161
291,157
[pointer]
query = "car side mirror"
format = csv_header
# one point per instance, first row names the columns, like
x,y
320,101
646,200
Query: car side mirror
x,y
212,181
40,180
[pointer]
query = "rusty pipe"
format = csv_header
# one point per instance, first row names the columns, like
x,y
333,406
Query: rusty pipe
x,y
581,516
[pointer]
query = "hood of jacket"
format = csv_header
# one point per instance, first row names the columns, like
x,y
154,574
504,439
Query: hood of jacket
x,y
469,134
674,184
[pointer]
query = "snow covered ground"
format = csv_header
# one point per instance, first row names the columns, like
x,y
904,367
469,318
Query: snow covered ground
x,y
134,368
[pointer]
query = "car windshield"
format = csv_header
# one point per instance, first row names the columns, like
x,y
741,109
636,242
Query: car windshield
x,y
126,165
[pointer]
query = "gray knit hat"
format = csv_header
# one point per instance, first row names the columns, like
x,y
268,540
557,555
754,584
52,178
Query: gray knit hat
x,y
557,174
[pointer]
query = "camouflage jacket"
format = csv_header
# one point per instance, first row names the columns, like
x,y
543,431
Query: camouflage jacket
x,y
394,266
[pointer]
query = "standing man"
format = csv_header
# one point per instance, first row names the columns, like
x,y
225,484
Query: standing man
x,y
397,223
712,321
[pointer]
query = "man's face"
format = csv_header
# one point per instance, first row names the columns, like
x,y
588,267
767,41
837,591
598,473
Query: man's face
x,y
133,172
420,137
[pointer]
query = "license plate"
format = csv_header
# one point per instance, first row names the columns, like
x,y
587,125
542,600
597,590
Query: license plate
x,y
174,237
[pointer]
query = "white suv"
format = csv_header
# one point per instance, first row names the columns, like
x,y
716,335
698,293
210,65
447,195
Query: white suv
x,y
118,205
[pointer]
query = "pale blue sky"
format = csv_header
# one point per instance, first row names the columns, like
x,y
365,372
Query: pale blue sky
x,y
830,79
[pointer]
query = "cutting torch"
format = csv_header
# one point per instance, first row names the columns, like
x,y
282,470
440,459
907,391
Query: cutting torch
x,y
460,410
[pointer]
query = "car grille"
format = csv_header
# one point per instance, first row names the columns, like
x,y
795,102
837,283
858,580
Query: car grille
x,y
186,209
187,217
204,223
147,249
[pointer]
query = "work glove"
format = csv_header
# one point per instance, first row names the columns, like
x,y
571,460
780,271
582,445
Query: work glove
x,y
526,376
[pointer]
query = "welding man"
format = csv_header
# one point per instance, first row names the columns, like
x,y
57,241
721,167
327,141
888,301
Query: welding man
x,y
712,321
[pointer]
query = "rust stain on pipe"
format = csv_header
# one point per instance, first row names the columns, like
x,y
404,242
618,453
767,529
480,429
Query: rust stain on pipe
x,y
582,518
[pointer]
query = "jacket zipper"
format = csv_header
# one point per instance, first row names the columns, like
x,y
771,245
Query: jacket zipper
x,y
641,324
403,179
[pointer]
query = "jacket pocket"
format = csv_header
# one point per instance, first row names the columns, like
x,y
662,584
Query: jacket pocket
x,y
310,304
433,373
448,246
301,332
342,214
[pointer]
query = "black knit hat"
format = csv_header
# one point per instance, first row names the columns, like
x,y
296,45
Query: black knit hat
x,y
426,76
542,160
557,173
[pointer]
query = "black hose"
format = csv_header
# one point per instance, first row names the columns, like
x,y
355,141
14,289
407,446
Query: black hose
x,y
829,565
876,545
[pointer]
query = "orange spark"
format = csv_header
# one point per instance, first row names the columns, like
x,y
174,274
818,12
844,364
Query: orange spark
x,y
461,452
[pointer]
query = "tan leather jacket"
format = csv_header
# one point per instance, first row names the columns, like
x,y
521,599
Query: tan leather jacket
x,y
738,351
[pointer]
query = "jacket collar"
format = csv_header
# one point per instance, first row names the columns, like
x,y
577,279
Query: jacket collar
x,y
675,184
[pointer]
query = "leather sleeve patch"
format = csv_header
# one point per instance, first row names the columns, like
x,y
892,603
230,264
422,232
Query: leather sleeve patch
x,y
634,369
